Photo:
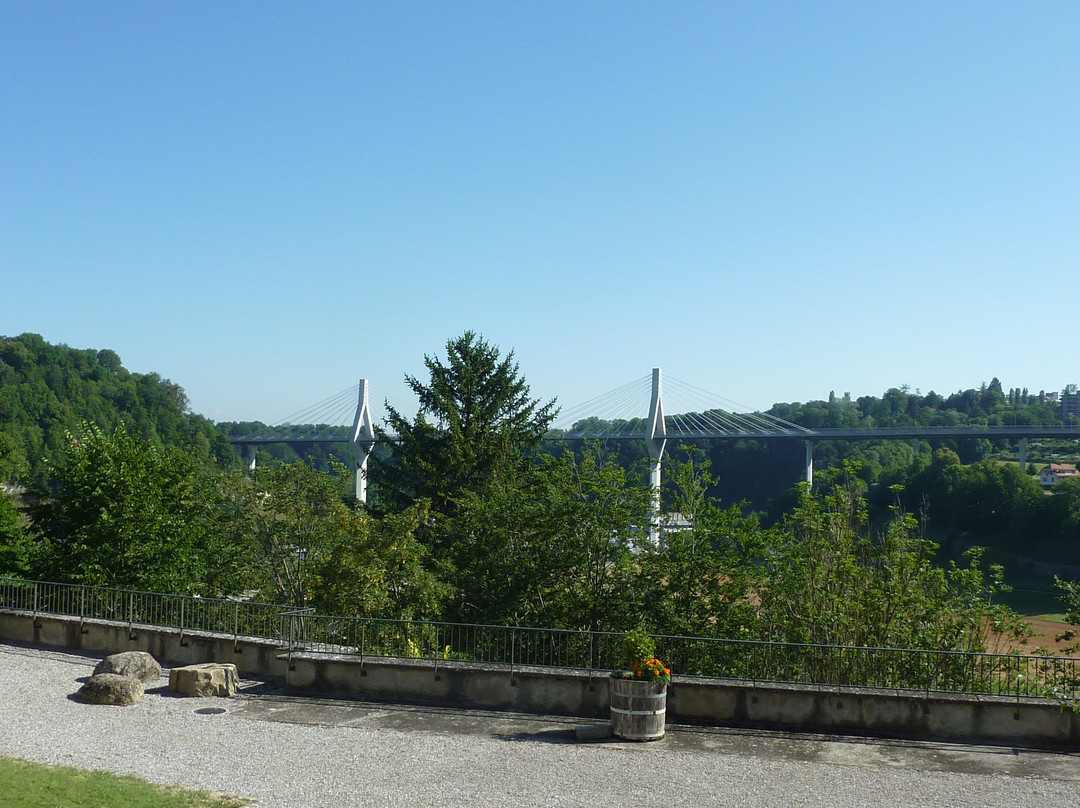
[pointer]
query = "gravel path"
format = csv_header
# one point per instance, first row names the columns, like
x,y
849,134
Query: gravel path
x,y
385,756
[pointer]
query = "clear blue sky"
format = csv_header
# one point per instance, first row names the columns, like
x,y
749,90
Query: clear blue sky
x,y
266,201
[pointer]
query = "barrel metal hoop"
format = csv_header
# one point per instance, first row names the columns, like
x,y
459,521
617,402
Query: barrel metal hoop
x,y
620,711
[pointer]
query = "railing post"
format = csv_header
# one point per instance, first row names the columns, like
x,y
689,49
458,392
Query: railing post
x,y
363,643
1019,677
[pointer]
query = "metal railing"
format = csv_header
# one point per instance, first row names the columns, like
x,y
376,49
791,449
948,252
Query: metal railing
x,y
929,670
299,629
183,612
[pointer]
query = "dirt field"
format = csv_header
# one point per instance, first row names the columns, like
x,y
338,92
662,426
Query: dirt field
x,y
1045,630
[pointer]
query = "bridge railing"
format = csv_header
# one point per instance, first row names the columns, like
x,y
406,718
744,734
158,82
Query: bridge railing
x,y
300,630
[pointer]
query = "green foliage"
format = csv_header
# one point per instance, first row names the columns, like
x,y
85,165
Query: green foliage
x,y
15,546
284,519
551,546
48,390
701,580
496,552
637,647
597,515
123,512
832,580
1070,596
475,425
639,658
299,538
994,504
377,568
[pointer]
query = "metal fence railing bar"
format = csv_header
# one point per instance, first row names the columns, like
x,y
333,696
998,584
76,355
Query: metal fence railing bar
x,y
300,629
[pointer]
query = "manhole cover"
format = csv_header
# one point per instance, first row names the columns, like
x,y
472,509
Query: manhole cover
x,y
210,711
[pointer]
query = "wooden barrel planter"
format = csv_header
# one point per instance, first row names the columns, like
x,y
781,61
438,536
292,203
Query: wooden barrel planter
x,y
638,709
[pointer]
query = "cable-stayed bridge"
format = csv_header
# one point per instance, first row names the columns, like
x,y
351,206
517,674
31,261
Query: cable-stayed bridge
x,y
636,411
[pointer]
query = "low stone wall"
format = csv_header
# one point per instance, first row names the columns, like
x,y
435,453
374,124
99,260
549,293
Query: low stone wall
x,y
555,691
574,692
874,711
250,654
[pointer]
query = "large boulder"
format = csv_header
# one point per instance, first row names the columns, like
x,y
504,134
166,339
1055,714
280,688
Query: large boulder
x,y
111,688
137,664
208,679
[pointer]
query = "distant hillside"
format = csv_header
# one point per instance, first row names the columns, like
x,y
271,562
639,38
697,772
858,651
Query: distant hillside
x,y
47,390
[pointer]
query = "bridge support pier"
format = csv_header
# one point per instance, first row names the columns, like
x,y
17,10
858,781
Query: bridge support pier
x,y
252,452
656,442
1023,455
363,438
809,464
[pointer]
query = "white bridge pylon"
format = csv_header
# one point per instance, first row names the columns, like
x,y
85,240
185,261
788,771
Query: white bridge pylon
x,y
656,442
363,438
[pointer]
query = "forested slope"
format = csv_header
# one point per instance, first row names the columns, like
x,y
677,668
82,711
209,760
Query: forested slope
x,y
48,390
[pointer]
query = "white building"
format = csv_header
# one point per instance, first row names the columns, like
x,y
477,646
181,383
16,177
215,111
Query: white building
x,y
1050,475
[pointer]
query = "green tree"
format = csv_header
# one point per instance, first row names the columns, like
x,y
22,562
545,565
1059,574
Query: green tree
x,y
1070,596
303,540
284,519
832,580
702,578
497,551
48,390
376,568
597,516
551,548
476,422
14,541
122,512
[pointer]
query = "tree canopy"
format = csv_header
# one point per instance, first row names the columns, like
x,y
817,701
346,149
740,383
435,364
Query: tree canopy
x,y
123,512
476,422
47,391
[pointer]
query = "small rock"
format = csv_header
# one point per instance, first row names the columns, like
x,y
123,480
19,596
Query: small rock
x,y
111,688
137,664
208,679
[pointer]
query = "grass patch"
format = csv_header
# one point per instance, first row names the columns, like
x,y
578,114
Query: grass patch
x,y
1056,617
33,785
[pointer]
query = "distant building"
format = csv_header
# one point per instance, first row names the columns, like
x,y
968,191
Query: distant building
x,y
1055,472
675,522
1070,405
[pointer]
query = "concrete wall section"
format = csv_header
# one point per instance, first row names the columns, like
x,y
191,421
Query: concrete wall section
x,y
249,654
691,700
994,719
555,691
